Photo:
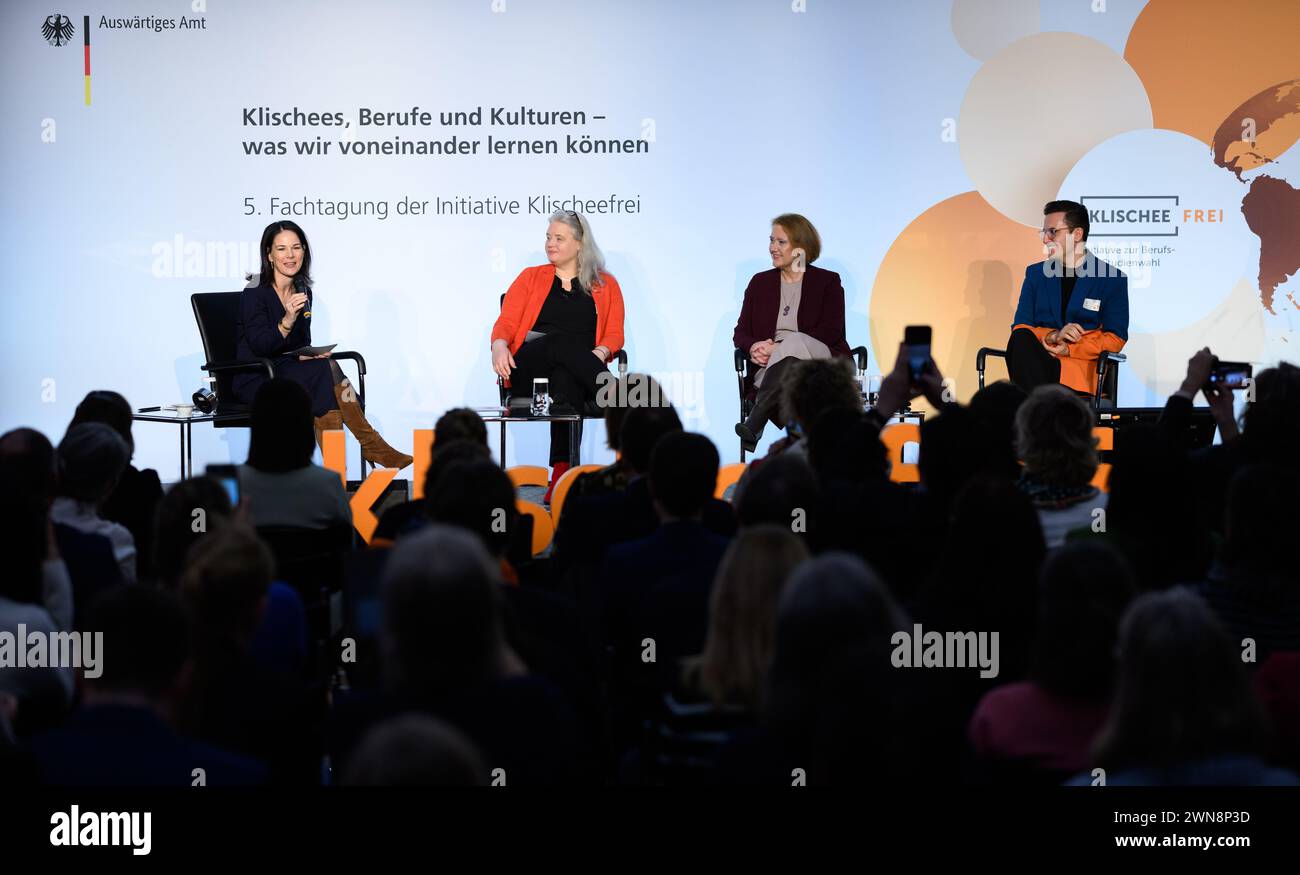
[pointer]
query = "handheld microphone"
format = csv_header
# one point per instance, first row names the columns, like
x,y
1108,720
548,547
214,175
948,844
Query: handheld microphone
x,y
303,288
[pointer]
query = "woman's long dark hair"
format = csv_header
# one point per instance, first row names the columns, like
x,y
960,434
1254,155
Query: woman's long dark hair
x,y
282,437
267,278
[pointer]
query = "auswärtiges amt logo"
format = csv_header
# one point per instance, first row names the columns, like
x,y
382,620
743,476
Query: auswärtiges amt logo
x,y
57,29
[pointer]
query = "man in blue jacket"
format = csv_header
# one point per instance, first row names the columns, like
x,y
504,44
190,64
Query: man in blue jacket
x,y
1072,306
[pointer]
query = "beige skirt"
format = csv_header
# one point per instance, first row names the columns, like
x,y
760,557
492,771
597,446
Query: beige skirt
x,y
794,345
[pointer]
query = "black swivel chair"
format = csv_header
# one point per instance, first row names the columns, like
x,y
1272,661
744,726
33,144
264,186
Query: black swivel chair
x,y
217,314
745,370
1107,395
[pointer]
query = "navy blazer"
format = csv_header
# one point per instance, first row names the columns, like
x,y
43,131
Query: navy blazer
x,y
257,336
821,309
1099,301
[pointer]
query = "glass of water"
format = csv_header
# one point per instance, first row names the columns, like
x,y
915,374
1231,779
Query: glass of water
x,y
873,389
541,405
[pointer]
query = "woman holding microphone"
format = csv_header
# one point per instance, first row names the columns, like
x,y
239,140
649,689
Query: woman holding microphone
x,y
272,324
563,321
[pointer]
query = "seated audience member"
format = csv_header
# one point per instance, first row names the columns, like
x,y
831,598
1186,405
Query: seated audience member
x,y
543,628
1153,512
862,510
416,750
831,708
721,689
589,525
636,390
123,734
995,406
810,388
985,580
280,483
1270,426
1054,438
987,573
1042,729
456,425
31,461
1254,587
136,496
233,702
445,654
955,448
782,491
92,457
1184,712
280,642
658,586
35,599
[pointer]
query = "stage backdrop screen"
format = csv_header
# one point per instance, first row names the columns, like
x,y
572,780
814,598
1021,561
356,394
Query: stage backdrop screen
x,y
422,145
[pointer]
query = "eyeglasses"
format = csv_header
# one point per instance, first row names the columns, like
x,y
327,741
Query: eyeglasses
x,y
1051,232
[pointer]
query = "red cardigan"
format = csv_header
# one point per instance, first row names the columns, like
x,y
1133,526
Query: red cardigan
x,y
528,292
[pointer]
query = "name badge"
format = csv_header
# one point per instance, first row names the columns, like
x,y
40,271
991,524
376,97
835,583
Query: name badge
x,y
1093,304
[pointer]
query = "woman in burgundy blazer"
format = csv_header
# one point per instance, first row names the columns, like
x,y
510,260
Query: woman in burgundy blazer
x,y
793,311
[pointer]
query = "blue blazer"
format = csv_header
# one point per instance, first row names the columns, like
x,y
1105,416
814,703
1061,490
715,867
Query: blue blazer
x,y
1099,301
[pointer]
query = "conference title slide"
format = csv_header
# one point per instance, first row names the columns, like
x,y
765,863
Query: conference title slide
x,y
481,131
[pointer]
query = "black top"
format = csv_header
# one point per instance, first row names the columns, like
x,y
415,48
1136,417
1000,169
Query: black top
x,y
1067,289
572,312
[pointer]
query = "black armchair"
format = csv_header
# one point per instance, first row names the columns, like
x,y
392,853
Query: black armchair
x,y
217,315
745,370
1107,394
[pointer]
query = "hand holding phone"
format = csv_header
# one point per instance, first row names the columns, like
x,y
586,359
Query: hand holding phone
x,y
916,343
1229,375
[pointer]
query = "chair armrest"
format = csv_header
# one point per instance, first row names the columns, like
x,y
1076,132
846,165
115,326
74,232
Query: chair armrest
x,y
987,351
257,364
859,354
621,357
740,359
1112,356
354,356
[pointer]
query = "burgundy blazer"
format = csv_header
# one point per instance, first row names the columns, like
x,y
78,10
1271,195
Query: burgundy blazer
x,y
821,309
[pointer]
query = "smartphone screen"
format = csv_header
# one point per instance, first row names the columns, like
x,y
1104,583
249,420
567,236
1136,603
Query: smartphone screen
x,y
916,340
1230,375
228,477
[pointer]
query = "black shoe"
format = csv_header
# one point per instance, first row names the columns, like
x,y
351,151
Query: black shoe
x,y
748,440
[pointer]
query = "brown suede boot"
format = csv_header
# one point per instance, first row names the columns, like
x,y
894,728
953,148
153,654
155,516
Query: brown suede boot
x,y
332,421
373,447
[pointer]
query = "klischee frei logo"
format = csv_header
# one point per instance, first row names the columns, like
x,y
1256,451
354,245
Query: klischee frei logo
x,y
58,29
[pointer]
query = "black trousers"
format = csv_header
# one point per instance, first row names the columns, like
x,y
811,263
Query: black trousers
x,y
767,401
567,361
1028,364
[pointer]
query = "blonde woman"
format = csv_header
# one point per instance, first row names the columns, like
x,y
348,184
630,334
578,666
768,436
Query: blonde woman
x,y
562,320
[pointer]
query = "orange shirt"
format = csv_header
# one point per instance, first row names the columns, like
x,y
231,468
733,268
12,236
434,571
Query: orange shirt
x,y
528,292
1079,365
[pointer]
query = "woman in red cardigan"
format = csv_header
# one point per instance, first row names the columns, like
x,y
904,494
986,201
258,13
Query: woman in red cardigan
x,y
562,321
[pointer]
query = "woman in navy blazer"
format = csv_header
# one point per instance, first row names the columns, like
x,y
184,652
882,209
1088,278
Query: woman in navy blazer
x,y
793,311
271,325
